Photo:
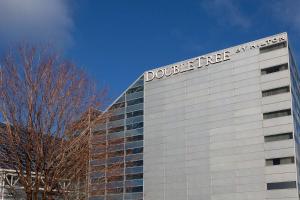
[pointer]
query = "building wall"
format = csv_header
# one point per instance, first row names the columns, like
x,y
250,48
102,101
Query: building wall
x,y
204,131
116,165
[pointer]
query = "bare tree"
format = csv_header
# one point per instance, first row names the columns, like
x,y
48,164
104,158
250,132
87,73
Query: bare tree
x,y
47,105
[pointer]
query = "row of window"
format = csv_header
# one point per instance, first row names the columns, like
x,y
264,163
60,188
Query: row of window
x,y
275,114
127,190
273,47
280,161
274,69
275,91
128,115
128,127
128,152
278,113
279,137
128,177
127,139
129,103
281,185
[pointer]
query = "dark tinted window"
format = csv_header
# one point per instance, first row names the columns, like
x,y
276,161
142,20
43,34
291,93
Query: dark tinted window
x,y
135,89
135,138
115,191
135,163
283,136
134,176
115,178
117,105
274,69
135,113
134,151
134,189
116,129
272,47
135,101
115,154
116,117
275,114
135,126
280,161
275,91
101,132
281,185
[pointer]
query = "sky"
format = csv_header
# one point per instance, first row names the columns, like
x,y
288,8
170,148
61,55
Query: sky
x,y
115,41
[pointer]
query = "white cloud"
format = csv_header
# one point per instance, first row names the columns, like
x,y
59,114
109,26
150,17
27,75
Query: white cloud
x,y
35,20
227,12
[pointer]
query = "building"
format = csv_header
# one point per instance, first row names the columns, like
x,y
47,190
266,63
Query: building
x,y
222,126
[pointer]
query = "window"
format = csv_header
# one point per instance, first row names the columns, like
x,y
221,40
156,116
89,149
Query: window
x,y
283,136
116,154
115,191
275,91
135,138
101,132
275,114
135,126
135,163
115,141
116,129
134,176
134,151
135,89
280,161
272,47
281,185
135,101
115,178
134,189
274,69
135,113
117,105
116,117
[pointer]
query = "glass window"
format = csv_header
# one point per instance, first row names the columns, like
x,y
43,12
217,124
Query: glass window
x,y
281,185
278,137
135,163
116,154
135,101
116,117
274,69
115,191
275,91
135,89
135,113
134,151
275,114
117,105
115,178
116,141
134,189
280,161
272,47
135,126
116,129
135,138
134,176
101,132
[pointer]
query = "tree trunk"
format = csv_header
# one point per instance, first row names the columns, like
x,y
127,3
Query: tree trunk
x,y
29,195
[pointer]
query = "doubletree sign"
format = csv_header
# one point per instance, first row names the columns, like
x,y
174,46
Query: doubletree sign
x,y
204,61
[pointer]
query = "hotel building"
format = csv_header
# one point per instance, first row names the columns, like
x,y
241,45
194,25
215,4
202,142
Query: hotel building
x,y
222,126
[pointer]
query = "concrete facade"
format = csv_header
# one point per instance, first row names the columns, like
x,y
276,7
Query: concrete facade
x,y
223,128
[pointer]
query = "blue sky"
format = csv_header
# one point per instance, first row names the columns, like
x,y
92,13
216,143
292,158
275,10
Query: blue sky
x,y
117,40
